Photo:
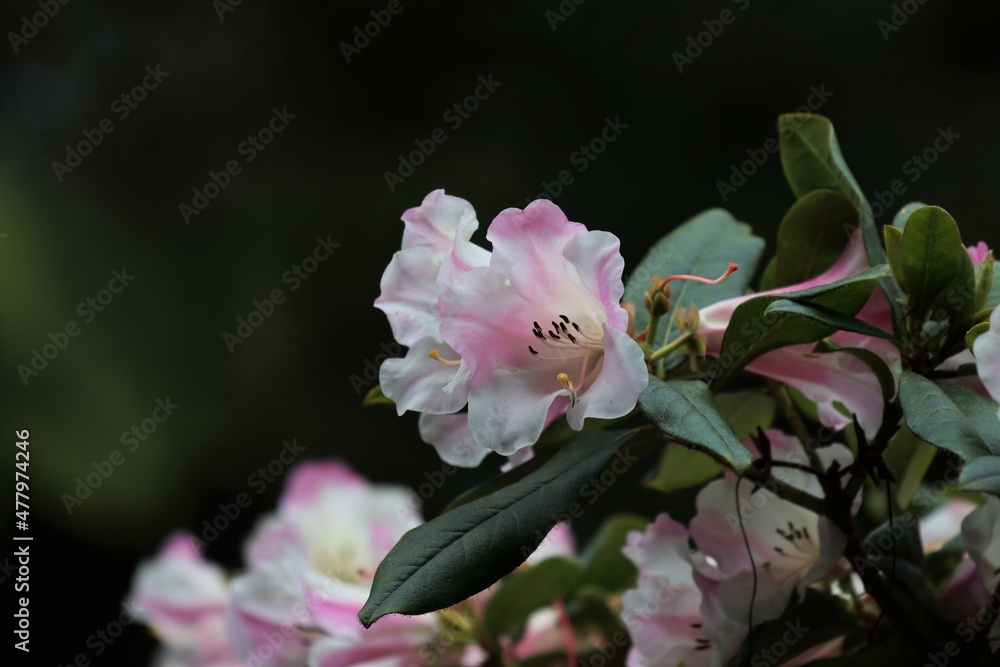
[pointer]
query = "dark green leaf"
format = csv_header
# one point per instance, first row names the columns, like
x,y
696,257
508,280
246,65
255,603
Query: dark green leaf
x,y
811,237
603,562
751,333
982,474
979,410
702,246
984,282
811,159
894,250
936,267
826,316
975,332
681,467
686,412
899,221
524,592
462,552
934,418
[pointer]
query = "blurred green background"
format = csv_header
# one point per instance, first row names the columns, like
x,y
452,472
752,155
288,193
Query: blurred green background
x,y
889,92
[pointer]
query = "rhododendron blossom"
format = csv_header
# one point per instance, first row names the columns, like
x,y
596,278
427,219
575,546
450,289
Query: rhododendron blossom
x,y
986,349
827,378
542,330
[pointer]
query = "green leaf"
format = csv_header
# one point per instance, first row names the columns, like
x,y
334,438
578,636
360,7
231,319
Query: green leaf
x,y
376,397
811,237
747,411
984,282
826,316
767,277
894,249
908,458
936,267
975,332
681,467
979,410
602,562
994,298
462,552
811,159
686,412
982,474
751,333
524,592
934,418
817,619
702,246
899,221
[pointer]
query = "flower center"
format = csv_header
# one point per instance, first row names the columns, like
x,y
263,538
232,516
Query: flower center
x,y
565,340
798,544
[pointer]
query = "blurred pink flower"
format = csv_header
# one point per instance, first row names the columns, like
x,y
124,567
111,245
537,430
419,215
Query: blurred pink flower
x,y
986,349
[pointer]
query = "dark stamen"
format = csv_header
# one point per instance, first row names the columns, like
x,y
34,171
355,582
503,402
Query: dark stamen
x,y
556,336
538,334
571,338
696,626
779,550
537,326
564,319
576,326
563,327
532,350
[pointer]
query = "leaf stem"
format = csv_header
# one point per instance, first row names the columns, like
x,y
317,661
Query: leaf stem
x,y
675,344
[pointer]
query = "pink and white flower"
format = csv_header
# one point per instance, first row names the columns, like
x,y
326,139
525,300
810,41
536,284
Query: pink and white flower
x,y
431,378
541,329
309,569
981,531
986,349
830,378
183,599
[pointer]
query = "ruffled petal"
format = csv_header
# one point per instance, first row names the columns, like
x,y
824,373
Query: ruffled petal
x,y
616,386
452,438
410,295
422,384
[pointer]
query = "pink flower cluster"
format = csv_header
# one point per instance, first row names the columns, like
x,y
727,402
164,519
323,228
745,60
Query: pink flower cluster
x,y
308,569
521,335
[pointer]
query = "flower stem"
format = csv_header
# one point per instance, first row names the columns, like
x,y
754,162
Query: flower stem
x,y
794,420
677,343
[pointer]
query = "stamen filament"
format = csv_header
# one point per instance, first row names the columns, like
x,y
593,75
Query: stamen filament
x,y
436,356
731,269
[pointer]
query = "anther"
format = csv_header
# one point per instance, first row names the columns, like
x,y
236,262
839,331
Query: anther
x,y
532,350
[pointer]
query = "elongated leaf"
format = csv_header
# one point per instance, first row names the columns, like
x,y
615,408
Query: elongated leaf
x,y
936,266
934,418
527,591
811,237
603,562
979,410
752,333
826,316
702,246
984,282
811,159
462,552
982,474
686,412
894,250
899,221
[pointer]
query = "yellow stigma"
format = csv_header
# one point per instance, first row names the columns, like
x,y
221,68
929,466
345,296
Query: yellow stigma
x,y
436,356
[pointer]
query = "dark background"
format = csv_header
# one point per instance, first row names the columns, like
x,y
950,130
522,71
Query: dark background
x,y
324,175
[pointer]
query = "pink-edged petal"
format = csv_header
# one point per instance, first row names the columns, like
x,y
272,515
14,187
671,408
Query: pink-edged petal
x,y
616,387
987,352
437,221
452,438
409,295
463,256
596,258
943,523
307,481
422,384
827,379
978,252
275,540
268,604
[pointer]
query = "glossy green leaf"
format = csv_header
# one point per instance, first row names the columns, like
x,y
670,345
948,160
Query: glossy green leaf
x,y
933,417
462,552
811,159
982,474
752,333
826,316
702,246
901,217
811,237
979,410
894,250
527,591
602,561
984,282
686,412
936,267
